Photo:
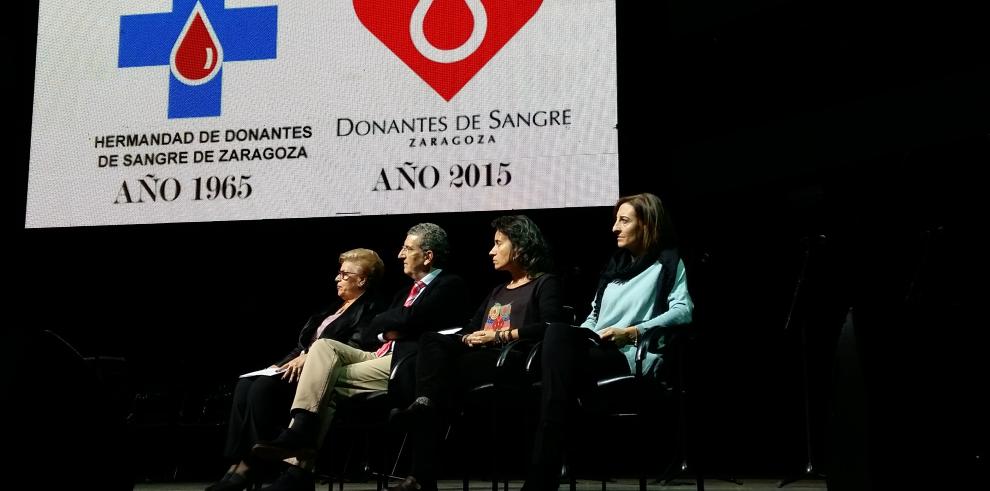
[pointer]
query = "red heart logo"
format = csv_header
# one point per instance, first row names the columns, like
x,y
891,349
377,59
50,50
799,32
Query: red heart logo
x,y
445,42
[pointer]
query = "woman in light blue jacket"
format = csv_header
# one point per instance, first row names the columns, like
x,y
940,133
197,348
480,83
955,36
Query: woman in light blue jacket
x,y
643,287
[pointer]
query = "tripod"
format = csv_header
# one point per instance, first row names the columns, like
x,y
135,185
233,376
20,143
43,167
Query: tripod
x,y
810,472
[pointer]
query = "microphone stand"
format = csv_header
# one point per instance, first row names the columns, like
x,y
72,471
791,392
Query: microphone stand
x,y
810,471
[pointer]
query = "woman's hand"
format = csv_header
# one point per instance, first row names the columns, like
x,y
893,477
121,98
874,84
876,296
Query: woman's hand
x,y
292,369
621,336
479,338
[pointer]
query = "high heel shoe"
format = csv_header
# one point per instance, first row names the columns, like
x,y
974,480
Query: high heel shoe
x,y
293,479
289,443
226,477
236,482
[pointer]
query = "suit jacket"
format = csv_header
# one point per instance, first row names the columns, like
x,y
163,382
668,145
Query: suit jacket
x,y
351,327
441,305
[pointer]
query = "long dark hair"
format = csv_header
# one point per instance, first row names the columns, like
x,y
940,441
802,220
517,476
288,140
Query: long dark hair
x,y
529,249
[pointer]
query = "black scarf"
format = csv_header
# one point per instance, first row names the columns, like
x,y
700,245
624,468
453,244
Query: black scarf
x,y
624,267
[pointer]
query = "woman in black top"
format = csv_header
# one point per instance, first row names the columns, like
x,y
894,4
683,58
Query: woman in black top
x,y
449,364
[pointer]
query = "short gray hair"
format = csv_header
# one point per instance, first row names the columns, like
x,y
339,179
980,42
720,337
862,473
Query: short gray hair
x,y
434,239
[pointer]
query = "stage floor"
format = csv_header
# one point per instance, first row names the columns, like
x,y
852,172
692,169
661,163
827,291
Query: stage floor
x,y
621,485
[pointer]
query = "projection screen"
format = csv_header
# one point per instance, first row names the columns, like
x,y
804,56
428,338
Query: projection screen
x,y
209,110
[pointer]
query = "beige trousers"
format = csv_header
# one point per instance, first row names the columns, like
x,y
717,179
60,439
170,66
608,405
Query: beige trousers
x,y
333,370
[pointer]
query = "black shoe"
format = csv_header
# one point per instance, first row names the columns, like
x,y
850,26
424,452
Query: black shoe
x,y
293,479
289,443
236,482
410,484
416,412
226,477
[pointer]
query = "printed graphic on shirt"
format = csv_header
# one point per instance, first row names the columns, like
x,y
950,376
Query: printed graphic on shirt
x,y
499,317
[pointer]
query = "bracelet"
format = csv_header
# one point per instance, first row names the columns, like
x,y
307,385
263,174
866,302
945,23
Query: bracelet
x,y
636,338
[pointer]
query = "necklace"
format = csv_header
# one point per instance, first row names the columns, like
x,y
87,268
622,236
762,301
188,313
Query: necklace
x,y
522,281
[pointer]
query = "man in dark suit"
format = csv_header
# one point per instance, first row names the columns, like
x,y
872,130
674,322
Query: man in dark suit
x,y
437,300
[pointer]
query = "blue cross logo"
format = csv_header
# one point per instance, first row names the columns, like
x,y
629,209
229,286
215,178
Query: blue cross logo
x,y
194,39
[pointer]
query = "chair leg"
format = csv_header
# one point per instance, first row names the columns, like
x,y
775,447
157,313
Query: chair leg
x,y
384,476
398,455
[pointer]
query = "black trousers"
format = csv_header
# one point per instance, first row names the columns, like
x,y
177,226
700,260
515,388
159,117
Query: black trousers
x,y
259,412
445,369
571,366
446,366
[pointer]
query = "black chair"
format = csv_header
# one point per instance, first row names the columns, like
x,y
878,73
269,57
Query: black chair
x,y
76,406
674,385
508,386
638,396
513,382
362,419
202,415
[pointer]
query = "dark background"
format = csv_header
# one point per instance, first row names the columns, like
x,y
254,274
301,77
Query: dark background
x,y
847,132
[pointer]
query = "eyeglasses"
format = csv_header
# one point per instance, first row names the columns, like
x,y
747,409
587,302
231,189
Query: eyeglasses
x,y
346,275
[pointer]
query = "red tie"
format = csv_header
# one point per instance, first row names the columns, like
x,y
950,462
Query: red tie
x,y
416,288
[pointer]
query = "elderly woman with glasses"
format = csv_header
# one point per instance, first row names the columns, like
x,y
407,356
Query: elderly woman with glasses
x,y
258,410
